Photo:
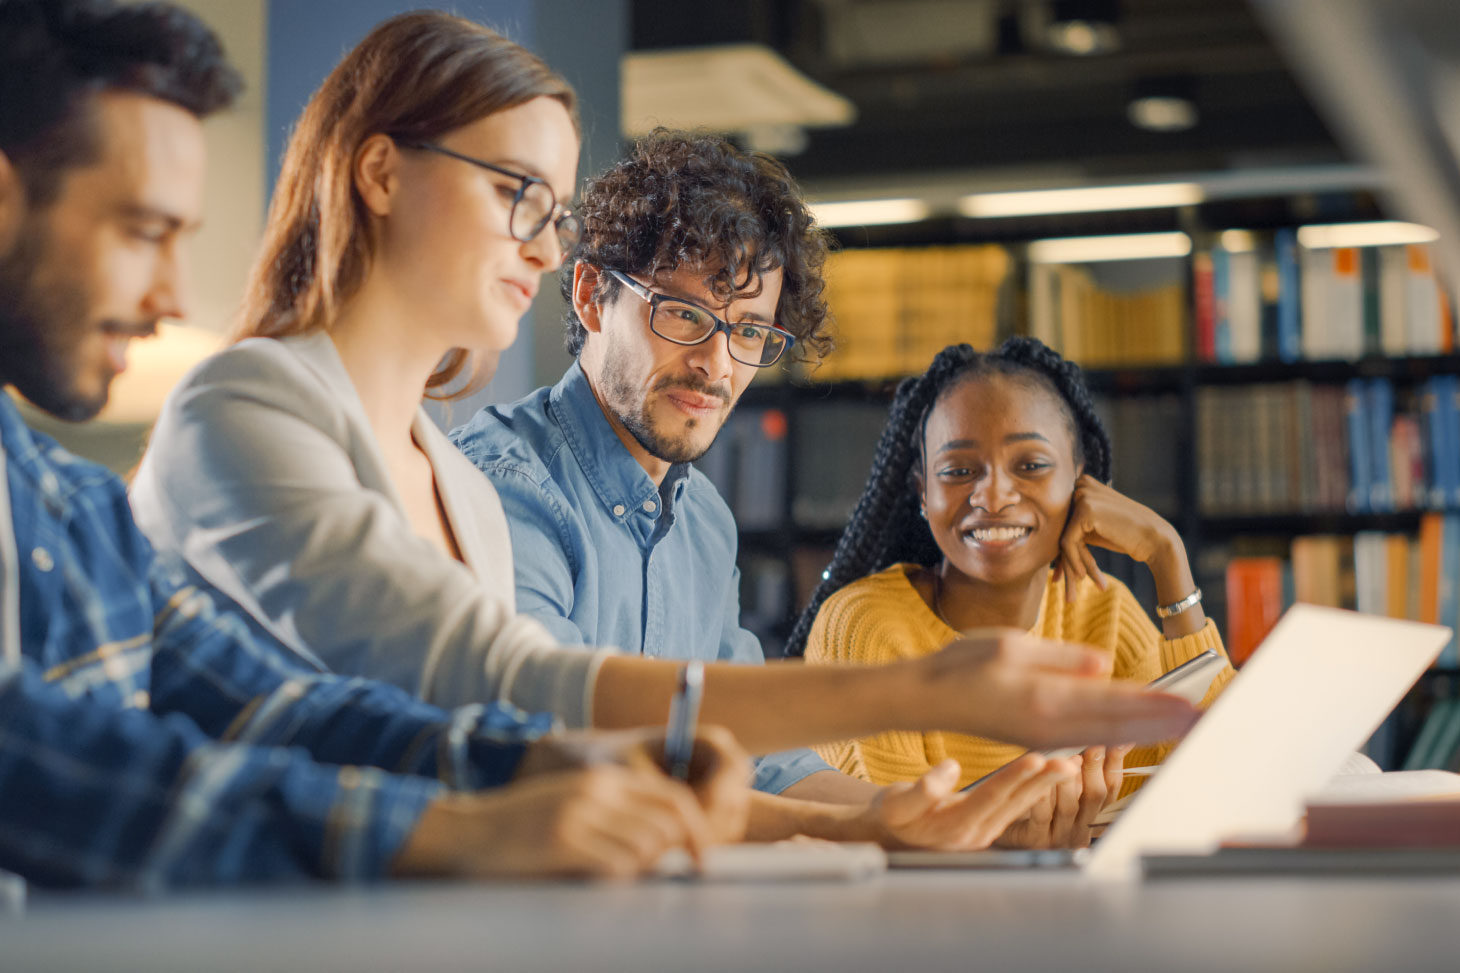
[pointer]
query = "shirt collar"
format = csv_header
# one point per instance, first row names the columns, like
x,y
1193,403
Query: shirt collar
x,y
616,476
15,436
9,559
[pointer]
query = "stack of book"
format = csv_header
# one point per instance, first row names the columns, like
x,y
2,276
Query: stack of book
x,y
1280,301
1396,575
1098,327
1437,747
747,464
1296,447
1142,429
894,309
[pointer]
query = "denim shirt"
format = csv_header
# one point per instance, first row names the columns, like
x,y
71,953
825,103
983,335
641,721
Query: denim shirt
x,y
604,557
147,739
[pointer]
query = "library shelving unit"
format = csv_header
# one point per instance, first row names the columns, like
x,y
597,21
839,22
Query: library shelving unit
x,y
792,494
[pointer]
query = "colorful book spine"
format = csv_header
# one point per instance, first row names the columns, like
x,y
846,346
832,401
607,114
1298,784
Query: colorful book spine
x,y
1204,296
1221,305
1289,300
1380,414
1254,603
1449,410
1360,464
1449,584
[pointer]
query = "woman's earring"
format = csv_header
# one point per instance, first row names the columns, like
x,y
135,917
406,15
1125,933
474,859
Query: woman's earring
x,y
923,512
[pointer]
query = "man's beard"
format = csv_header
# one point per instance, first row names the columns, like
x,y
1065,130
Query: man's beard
x,y
620,393
40,326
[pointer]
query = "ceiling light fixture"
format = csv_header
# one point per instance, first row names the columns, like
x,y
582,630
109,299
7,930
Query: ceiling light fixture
x,y
1093,249
1375,234
1237,241
1082,28
1091,199
870,212
1163,105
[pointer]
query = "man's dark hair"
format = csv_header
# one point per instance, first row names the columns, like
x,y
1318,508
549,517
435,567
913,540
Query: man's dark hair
x,y
885,527
695,200
56,54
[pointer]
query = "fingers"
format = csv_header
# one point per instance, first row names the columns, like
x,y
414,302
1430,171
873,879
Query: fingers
x,y
1092,568
1074,712
1023,789
1093,794
1072,568
903,804
1037,795
719,775
1072,582
1064,657
642,812
1115,770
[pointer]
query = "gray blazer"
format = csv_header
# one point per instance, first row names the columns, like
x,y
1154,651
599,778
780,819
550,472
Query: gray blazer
x,y
265,476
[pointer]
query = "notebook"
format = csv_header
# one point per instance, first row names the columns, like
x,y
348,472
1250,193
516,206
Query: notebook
x,y
798,859
1313,692
1317,687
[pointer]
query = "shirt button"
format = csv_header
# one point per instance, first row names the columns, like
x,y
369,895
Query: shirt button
x,y
49,483
42,559
619,510
650,506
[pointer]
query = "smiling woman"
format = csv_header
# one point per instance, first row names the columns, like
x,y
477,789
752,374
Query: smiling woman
x,y
989,488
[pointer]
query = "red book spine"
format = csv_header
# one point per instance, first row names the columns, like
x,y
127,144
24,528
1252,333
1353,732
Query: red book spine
x,y
1204,294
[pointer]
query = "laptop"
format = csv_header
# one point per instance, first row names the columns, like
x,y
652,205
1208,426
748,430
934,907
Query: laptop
x,y
1318,686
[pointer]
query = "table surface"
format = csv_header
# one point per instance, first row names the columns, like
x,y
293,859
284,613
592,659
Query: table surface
x,y
902,922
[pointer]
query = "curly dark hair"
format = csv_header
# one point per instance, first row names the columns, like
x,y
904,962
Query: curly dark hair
x,y
55,54
885,528
693,199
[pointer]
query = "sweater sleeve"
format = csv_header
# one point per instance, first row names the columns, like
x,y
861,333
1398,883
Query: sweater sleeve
x,y
845,633
249,477
1142,653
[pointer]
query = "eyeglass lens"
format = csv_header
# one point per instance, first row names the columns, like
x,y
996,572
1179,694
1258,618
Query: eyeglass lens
x,y
686,324
532,211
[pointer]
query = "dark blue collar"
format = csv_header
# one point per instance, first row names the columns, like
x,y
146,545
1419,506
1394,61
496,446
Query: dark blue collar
x,y
17,439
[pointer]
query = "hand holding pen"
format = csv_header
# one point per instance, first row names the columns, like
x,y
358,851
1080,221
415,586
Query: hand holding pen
x,y
684,716
707,759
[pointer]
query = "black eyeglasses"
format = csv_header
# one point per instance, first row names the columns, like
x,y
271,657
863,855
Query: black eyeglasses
x,y
534,206
686,323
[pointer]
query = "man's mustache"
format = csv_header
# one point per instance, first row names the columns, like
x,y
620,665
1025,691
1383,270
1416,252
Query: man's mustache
x,y
691,386
123,329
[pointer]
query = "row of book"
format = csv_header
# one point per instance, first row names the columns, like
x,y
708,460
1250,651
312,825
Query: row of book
x,y
1098,326
895,308
1278,300
1395,575
747,464
1296,447
1269,299
1144,431
834,444
1437,745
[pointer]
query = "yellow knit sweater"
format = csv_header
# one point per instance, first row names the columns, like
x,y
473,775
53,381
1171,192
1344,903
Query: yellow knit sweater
x,y
882,619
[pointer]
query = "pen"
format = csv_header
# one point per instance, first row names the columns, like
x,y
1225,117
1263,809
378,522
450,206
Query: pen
x,y
684,714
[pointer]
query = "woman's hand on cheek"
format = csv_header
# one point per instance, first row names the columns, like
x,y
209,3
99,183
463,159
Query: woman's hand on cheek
x,y
1104,517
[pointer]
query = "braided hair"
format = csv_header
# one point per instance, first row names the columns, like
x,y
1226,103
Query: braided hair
x,y
885,527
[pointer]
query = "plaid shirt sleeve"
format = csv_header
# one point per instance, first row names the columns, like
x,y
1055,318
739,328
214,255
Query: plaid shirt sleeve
x,y
241,688
96,795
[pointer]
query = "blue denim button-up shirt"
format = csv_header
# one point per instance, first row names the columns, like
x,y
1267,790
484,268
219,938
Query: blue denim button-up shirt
x,y
603,556
147,739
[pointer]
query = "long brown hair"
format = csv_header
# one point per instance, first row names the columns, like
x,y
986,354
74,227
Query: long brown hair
x,y
415,77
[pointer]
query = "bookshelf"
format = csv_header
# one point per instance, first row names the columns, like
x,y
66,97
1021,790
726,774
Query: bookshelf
x,y
827,428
